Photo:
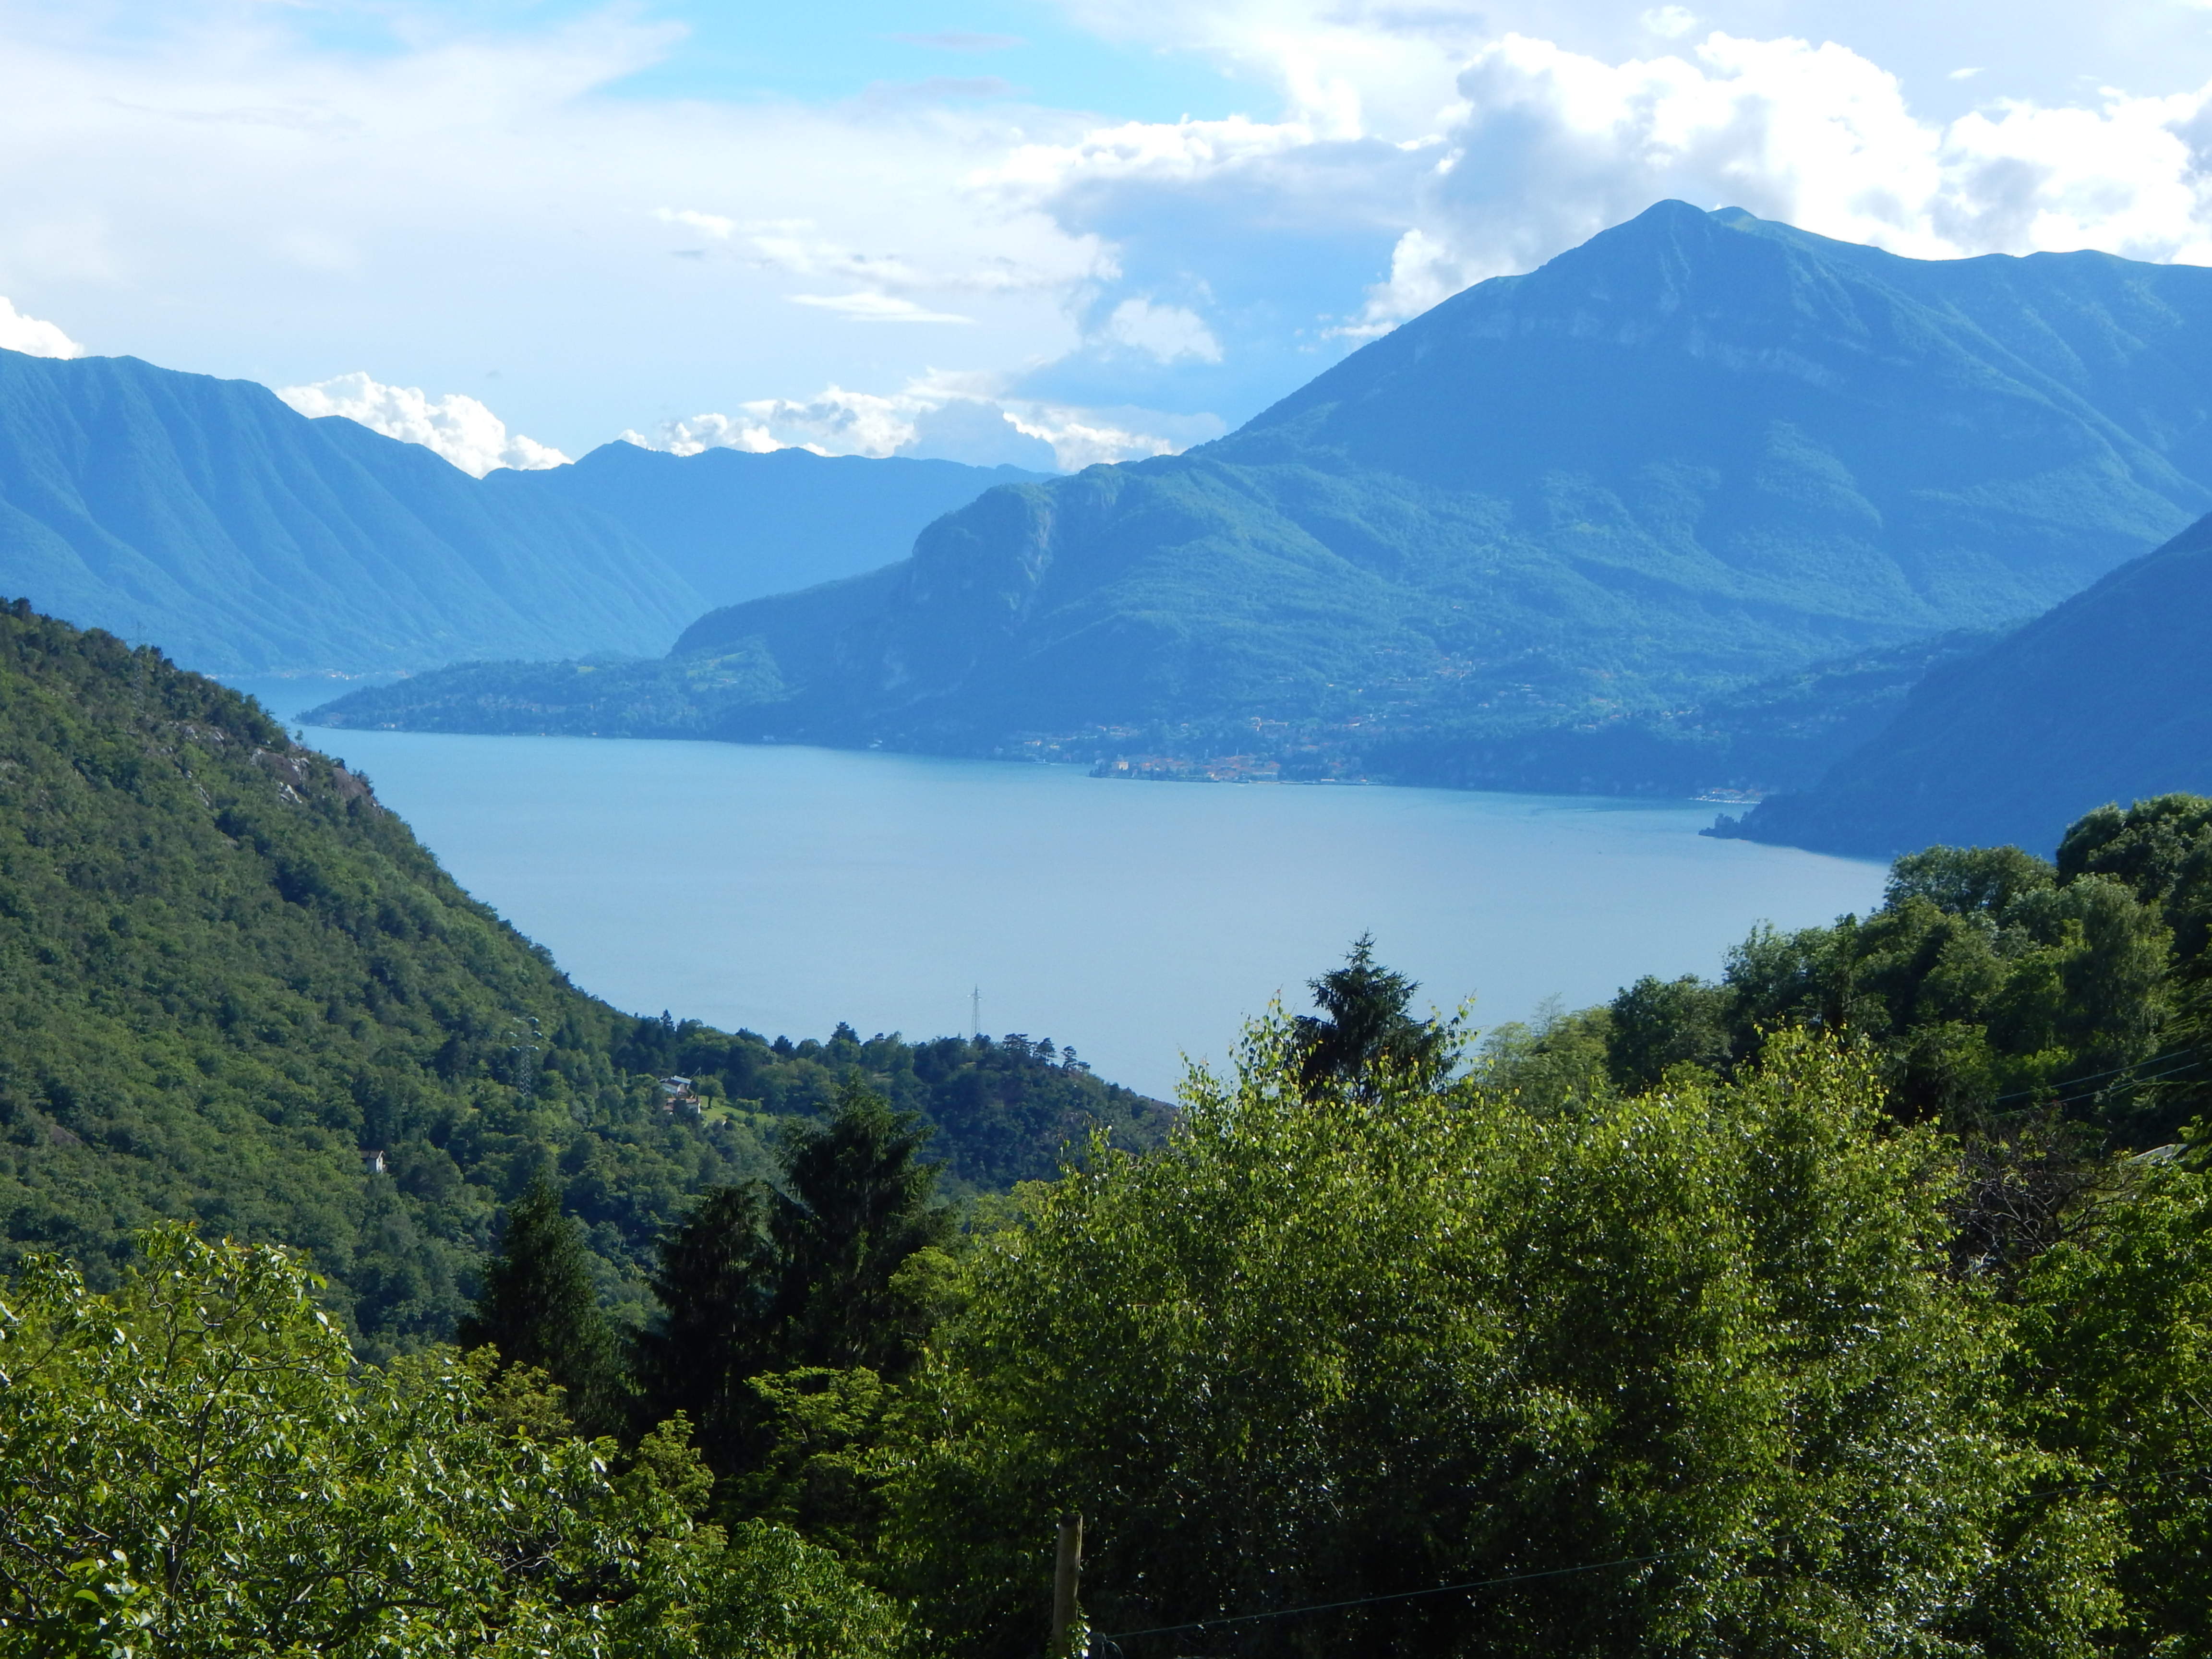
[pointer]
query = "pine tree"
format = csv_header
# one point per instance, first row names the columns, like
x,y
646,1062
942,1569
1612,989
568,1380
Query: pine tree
x,y
538,1308
719,1281
860,1203
758,1281
1366,1028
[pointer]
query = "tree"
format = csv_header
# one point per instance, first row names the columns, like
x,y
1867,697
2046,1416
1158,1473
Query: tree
x,y
718,1283
1299,1357
539,1308
1364,1030
2113,1366
193,1466
837,1271
1658,1023
860,1203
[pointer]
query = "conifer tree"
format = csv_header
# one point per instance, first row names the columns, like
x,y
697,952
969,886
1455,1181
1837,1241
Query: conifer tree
x,y
538,1308
1367,1026
719,1281
759,1281
860,1203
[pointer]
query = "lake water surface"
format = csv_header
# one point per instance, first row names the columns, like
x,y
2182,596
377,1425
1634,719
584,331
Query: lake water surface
x,y
785,889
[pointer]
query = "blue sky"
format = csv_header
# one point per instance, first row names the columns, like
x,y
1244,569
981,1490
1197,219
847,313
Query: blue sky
x,y
1050,231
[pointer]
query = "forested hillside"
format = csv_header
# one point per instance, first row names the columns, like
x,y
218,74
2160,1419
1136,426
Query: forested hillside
x,y
238,992
2108,697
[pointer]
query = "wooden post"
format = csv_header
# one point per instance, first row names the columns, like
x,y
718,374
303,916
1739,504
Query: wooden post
x,y
1066,1574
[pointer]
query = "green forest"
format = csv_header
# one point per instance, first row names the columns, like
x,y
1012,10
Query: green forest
x,y
240,994
373,1291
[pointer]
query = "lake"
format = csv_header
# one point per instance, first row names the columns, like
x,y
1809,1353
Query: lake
x,y
784,889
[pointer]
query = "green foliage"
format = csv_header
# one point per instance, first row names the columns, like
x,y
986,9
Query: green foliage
x,y
821,1467
238,992
1428,1337
191,1466
2113,1368
1364,1033
1551,1066
538,1309
1997,987
1657,1025
1004,1109
838,1271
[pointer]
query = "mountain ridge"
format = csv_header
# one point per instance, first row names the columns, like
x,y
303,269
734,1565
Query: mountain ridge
x,y
1697,453
2105,699
208,516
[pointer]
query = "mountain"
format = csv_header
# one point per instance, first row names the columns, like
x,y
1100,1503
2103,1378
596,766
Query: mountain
x,y
237,990
737,526
1697,453
2106,698
245,538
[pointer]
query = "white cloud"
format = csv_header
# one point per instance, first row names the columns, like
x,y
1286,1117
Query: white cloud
x,y
867,307
959,416
456,427
1166,332
33,336
708,224
235,193
1548,147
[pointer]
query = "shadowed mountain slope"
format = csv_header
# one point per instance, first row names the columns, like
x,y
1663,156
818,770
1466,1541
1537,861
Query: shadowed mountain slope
x,y
1701,447
2107,698
209,518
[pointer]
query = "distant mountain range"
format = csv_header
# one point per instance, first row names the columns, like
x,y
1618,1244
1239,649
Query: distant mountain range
x,y
1701,453
207,517
738,526
2108,697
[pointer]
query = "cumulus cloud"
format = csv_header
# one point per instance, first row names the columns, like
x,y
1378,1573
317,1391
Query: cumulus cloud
x,y
1167,333
1538,148
456,427
963,418
33,336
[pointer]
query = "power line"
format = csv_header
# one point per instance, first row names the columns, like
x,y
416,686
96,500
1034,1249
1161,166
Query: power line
x,y
1202,1625
1400,1595
2075,1083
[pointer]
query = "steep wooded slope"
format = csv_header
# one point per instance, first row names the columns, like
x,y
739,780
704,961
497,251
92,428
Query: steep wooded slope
x,y
2107,698
229,978
208,517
